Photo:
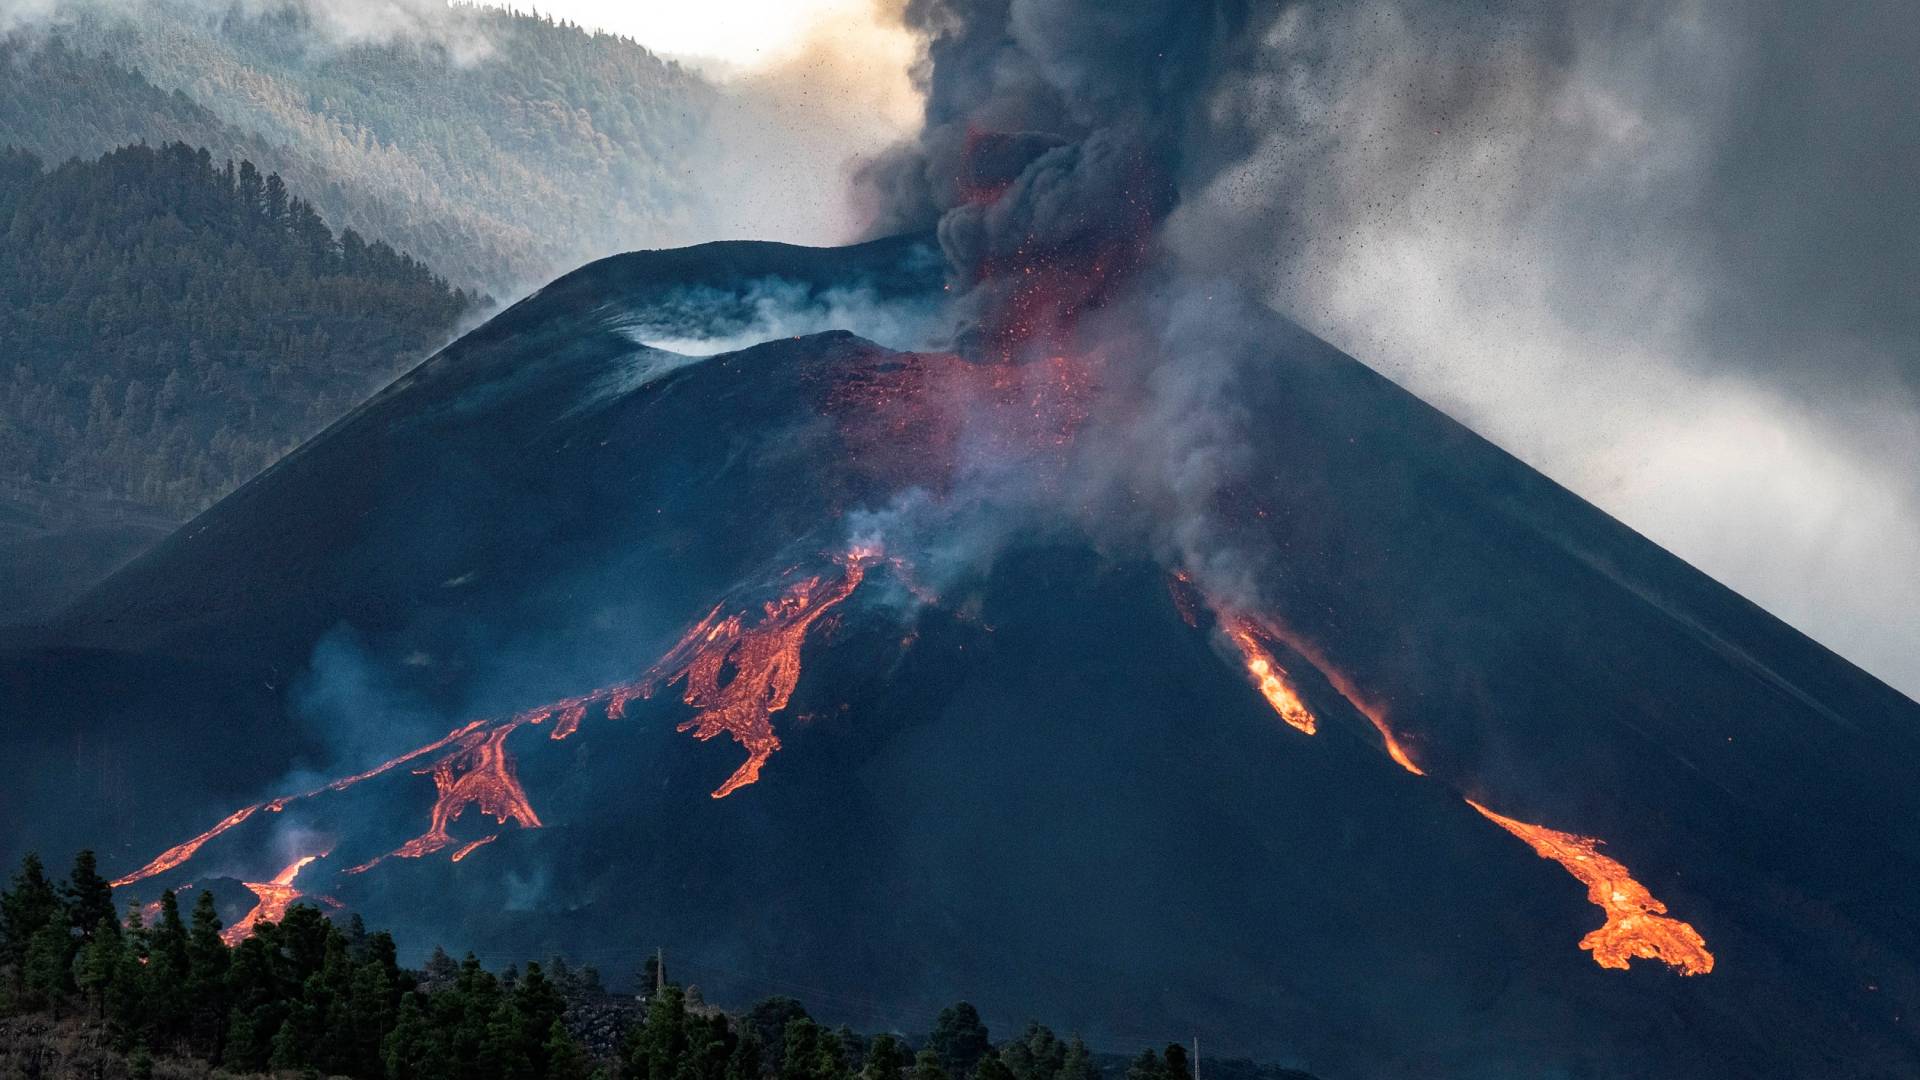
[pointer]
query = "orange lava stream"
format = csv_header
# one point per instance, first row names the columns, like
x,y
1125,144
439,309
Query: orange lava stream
x,y
1637,923
1248,633
275,897
467,849
1268,675
480,775
738,676
180,853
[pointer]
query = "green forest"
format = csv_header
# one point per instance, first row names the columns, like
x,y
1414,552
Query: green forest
x,y
307,995
171,324
500,148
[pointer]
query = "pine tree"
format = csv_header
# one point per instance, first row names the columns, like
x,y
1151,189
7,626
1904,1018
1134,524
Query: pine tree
x,y
126,995
255,993
207,961
656,1048
1077,1064
1036,1055
409,1050
565,1059
24,909
990,1067
960,1038
167,970
101,960
746,1061
505,1054
1148,1066
926,1066
886,1059
88,896
49,966
1178,1065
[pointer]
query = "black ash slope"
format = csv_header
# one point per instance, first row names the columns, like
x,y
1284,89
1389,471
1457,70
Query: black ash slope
x,y
1052,795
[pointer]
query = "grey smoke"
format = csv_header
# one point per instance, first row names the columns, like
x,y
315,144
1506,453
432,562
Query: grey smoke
x,y
1664,252
1659,251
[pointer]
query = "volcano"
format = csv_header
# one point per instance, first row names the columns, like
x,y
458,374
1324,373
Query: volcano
x,y
1373,752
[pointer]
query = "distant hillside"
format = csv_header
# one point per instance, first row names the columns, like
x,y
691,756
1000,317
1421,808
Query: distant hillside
x,y
174,324
502,148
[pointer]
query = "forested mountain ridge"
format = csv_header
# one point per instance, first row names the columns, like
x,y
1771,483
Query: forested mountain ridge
x,y
501,148
172,325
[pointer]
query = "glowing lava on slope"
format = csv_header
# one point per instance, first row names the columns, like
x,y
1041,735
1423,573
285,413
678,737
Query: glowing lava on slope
x,y
737,673
180,853
274,898
1268,675
481,775
737,676
1637,923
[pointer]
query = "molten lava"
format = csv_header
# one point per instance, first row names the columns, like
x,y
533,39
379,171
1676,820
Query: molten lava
x,y
1268,675
1248,633
467,849
274,898
737,676
180,853
481,776
1637,923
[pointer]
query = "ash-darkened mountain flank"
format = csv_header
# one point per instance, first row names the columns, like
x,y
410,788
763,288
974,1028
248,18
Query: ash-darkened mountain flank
x,y
1237,693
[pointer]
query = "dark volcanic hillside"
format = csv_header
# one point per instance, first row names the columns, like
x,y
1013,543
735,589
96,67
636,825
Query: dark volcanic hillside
x,y
992,739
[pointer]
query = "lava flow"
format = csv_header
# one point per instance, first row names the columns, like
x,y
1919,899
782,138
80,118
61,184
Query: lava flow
x,y
1250,635
180,853
274,898
1637,923
481,775
738,676
1268,675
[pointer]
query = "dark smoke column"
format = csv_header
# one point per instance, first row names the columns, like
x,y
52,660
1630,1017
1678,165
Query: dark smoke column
x,y
1058,134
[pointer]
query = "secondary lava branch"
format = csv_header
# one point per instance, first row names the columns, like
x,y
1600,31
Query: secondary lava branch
x,y
737,676
1637,924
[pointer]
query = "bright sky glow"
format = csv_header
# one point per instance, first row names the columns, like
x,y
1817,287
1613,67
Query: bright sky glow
x,y
743,33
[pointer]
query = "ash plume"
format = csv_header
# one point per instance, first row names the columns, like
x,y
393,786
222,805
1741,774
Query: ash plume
x,y
1058,134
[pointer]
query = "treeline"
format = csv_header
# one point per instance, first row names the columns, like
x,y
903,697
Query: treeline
x,y
174,324
307,994
500,147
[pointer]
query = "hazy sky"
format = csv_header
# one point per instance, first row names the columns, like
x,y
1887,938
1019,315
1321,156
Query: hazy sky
x,y
744,32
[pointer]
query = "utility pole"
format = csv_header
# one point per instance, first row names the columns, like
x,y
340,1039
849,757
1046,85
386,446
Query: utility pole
x,y
1196,1057
659,969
